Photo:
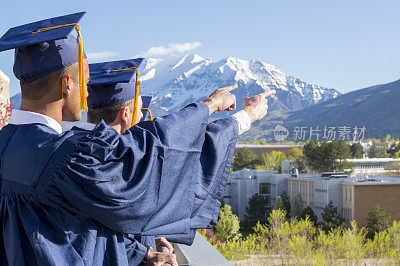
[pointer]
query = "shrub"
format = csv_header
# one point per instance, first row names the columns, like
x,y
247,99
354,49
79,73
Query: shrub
x,y
227,226
378,220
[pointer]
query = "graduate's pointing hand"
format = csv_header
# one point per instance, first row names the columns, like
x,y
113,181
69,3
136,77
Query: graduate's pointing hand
x,y
221,99
162,241
257,106
158,258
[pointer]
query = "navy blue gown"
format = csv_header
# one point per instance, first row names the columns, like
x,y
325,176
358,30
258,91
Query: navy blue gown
x,y
70,199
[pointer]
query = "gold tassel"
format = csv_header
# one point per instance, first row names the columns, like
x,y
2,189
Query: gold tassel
x,y
136,101
151,117
82,83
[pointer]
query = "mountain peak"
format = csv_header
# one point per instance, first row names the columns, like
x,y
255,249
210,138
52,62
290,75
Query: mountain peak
x,y
188,59
194,58
190,78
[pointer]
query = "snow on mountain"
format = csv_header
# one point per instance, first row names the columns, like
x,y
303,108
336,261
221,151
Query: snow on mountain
x,y
176,81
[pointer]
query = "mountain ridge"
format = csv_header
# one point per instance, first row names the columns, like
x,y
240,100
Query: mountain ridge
x,y
374,107
176,81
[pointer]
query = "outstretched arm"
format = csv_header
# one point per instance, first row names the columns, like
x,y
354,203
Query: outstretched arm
x,y
213,166
123,181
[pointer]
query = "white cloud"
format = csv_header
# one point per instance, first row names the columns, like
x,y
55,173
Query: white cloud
x,y
101,55
172,48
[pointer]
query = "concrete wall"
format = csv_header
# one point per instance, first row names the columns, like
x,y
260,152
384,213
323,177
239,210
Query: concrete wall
x,y
4,99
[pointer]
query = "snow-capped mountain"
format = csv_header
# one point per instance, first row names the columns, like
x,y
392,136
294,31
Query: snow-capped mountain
x,y
176,81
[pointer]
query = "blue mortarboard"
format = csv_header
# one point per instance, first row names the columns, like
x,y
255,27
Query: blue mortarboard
x,y
146,100
112,83
43,47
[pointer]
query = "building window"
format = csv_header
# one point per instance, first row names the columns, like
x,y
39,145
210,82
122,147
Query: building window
x,y
264,188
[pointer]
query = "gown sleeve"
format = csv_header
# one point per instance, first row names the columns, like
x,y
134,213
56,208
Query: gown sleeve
x,y
135,250
213,170
146,174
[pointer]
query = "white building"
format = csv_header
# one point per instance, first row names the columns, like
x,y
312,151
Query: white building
x,y
316,190
243,184
371,165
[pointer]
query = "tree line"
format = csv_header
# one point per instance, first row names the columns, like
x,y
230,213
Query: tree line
x,y
278,234
313,156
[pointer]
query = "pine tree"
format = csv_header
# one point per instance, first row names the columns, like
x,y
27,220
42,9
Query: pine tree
x,y
378,220
357,150
227,227
296,206
286,203
279,204
255,212
308,211
331,218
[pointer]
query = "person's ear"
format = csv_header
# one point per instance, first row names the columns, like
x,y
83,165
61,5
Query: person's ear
x,y
124,114
66,85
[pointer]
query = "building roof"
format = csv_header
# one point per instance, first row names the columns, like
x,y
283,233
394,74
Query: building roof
x,y
375,180
372,160
253,146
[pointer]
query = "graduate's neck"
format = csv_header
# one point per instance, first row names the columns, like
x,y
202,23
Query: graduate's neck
x,y
118,128
51,109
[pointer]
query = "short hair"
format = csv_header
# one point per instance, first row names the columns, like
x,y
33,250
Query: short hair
x,y
108,114
38,88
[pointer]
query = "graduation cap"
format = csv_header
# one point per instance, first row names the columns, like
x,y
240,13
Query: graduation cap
x,y
46,46
146,100
113,83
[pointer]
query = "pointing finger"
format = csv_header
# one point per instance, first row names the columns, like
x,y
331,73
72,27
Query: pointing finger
x,y
267,93
231,88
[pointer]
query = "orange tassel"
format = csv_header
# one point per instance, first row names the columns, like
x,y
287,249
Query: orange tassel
x,y
136,101
82,83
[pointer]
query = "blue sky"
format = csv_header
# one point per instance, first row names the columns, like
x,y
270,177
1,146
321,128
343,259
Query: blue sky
x,y
345,45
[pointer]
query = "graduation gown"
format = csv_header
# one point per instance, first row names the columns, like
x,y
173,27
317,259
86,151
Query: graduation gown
x,y
211,174
68,199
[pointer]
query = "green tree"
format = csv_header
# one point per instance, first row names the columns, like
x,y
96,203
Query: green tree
x,y
393,168
328,156
331,219
386,140
378,220
286,203
245,158
376,151
272,161
357,150
227,227
395,151
313,155
279,204
308,211
296,206
294,154
283,203
255,211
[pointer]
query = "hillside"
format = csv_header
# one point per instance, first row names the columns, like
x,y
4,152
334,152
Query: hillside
x,y
376,108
